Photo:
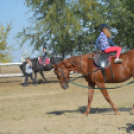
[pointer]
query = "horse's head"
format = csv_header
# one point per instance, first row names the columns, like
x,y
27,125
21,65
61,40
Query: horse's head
x,y
62,73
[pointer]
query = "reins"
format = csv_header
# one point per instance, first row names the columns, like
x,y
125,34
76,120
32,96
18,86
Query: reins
x,y
101,88
71,81
85,74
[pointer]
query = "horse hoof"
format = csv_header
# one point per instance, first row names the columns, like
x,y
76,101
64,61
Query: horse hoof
x,y
131,112
117,113
85,114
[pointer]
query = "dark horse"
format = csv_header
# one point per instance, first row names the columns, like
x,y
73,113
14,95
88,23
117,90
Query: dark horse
x,y
40,68
82,64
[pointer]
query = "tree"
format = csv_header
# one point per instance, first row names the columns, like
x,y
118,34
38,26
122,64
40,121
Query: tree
x,y
119,15
54,25
124,16
5,51
68,27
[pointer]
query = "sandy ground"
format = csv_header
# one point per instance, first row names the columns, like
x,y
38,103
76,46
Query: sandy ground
x,y
48,109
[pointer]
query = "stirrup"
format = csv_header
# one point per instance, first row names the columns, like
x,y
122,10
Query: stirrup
x,y
119,61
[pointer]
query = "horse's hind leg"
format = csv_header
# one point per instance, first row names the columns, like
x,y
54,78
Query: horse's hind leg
x,y
41,73
107,97
133,108
35,75
90,98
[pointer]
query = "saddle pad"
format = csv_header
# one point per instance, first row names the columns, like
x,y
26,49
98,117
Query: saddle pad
x,y
41,60
99,55
47,61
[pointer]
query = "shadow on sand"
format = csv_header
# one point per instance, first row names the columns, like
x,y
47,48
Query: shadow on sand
x,y
82,109
41,82
129,128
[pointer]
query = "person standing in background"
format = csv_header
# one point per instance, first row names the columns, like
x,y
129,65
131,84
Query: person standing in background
x,y
28,72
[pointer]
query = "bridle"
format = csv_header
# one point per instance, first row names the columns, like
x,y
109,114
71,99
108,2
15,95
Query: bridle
x,y
63,74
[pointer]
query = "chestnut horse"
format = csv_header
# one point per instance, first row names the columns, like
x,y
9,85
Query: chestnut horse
x,y
82,64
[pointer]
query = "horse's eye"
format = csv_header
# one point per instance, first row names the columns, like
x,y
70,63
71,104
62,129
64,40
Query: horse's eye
x,y
58,76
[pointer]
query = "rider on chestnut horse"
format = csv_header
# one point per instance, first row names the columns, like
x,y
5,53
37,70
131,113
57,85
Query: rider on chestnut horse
x,y
104,41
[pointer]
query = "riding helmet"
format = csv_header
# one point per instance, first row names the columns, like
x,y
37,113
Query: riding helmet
x,y
103,26
44,47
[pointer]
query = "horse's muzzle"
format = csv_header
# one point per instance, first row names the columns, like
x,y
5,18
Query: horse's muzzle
x,y
65,86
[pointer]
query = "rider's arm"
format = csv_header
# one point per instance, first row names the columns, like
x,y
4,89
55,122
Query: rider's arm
x,y
28,68
30,64
97,43
111,42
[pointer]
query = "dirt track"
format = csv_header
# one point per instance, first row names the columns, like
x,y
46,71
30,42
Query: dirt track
x,y
48,109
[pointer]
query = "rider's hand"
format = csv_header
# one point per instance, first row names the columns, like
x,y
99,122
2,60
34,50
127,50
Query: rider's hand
x,y
99,51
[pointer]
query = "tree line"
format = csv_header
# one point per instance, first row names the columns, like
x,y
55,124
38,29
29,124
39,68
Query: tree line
x,y
70,27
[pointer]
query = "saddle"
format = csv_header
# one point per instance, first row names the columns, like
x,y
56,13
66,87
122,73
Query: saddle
x,y
101,60
41,61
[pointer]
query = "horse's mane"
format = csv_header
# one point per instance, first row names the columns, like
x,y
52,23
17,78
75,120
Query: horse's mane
x,y
71,62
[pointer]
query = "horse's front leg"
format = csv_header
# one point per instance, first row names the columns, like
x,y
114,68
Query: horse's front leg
x,y
107,97
90,98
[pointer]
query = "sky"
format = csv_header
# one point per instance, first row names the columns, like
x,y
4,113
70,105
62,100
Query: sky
x,y
15,11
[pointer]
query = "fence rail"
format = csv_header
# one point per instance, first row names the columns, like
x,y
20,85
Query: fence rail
x,y
10,75
10,64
